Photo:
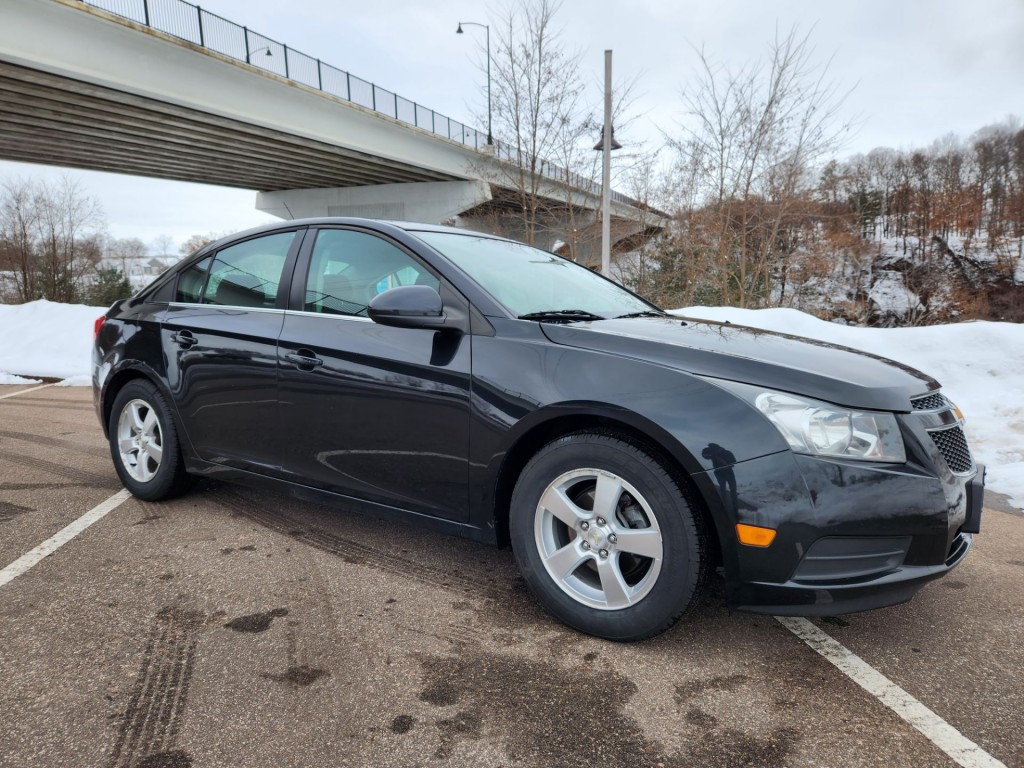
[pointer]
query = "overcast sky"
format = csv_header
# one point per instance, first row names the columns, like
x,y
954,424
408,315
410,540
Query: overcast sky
x,y
918,70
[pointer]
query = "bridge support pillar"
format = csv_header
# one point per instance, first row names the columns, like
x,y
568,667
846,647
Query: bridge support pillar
x,y
429,202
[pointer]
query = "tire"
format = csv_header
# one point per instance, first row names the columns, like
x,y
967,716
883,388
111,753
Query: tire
x,y
144,443
608,541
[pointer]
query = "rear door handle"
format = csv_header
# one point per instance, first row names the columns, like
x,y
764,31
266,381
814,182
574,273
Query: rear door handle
x,y
304,358
184,339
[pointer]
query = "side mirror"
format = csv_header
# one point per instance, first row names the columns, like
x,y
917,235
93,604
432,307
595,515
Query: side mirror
x,y
408,306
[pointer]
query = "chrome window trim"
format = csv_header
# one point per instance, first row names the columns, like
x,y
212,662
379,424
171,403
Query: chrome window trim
x,y
222,306
326,315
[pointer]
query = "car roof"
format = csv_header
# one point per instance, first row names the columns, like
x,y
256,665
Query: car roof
x,y
407,226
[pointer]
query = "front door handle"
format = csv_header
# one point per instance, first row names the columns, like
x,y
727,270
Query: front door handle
x,y
184,339
304,359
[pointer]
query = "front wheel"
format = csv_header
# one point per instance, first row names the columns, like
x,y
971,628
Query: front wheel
x,y
144,443
606,538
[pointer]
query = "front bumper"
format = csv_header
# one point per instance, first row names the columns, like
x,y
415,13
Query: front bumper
x,y
850,536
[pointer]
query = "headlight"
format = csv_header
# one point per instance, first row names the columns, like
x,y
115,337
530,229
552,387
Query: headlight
x,y
823,429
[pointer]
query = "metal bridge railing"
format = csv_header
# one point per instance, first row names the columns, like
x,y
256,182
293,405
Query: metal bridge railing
x,y
200,27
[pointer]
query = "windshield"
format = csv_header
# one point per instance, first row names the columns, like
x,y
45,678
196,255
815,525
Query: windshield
x,y
528,281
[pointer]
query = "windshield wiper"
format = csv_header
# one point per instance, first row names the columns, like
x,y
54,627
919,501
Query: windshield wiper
x,y
644,313
561,315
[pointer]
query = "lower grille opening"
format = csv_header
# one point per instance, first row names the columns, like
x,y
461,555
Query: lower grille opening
x,y
845,558
957,548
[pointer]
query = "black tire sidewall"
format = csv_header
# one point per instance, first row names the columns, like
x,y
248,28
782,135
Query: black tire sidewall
x,y
169,478
681,570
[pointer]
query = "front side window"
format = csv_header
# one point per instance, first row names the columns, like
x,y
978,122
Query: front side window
x,y
348,269
249,274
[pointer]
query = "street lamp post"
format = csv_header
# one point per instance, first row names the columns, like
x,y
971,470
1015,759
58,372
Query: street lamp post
x,y
490,139
605,147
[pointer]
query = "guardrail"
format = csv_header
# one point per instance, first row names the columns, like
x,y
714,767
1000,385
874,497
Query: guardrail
x,y
195,25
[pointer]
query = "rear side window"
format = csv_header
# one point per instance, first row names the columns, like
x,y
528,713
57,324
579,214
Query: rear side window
x,y
349,268
248,274
191,281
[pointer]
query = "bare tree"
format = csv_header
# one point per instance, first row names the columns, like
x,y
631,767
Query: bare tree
x,y
163,245
758,133
540,114
18,219
49,238
197,241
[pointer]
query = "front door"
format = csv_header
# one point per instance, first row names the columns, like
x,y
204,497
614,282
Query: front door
x,y
370,411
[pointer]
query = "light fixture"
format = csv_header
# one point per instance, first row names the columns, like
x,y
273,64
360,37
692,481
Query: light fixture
x,y
600,144
250,54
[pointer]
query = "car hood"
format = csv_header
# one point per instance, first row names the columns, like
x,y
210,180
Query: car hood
x,y
764,358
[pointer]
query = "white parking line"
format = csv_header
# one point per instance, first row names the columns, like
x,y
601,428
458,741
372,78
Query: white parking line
x,y
62,537
24,391
947,738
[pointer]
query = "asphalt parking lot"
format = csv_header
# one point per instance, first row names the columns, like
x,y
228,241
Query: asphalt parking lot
x,y
233,627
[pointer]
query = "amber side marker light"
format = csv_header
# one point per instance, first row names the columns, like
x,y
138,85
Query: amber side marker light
x,y
754,535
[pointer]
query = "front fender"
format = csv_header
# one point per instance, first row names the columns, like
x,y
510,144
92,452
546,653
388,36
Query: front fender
x,y
701,426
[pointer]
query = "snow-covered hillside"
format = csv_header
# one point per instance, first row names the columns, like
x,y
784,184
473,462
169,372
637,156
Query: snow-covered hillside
x,y
980,364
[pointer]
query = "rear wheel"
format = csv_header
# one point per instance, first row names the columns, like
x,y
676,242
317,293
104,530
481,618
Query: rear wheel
x,y
606,538
144,443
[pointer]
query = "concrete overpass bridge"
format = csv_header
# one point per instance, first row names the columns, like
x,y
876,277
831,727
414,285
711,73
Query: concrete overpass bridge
x,y
161,88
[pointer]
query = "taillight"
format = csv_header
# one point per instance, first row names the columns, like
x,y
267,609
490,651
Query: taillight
x,y
97,325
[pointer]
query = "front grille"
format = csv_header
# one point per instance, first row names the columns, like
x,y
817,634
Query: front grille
x,y
953,445
934,402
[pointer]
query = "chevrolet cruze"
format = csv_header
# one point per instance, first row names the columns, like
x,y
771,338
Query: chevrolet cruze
x,y
495,391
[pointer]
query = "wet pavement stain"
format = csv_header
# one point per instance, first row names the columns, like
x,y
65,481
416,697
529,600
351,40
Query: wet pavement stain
x,y
173,759
256,622
686,691
299,676
440,693
955,584
402,724
835,621
246,548
527,704
700,717
465,725
148,519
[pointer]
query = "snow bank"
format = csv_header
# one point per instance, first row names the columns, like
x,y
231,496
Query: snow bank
x,y
979,364
10,378
43,338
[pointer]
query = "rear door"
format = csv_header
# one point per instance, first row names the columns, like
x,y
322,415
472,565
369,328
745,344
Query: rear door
x,y
373,412
220,342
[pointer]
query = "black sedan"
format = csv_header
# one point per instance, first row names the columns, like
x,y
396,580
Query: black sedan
x,y
499,392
